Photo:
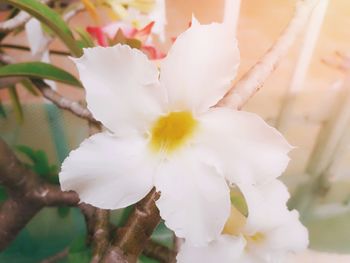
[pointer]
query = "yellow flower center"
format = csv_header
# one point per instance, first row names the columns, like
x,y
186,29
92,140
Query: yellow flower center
x,y
235,222
256,238
172,131
238,219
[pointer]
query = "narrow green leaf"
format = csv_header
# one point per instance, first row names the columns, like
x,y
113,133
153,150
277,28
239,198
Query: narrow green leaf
x,y
86,39
17,106
63,211
50,18
163,235
27,151
2,110
238,201
41,165
3,194
144,259
39,70
27,84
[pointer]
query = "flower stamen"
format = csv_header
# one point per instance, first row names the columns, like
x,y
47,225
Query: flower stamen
x,y
172,131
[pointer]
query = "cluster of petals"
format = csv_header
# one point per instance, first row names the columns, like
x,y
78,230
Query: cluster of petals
x,y
268,234
163,131
108,32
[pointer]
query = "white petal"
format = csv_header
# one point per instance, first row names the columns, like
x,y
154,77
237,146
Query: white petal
x,y
251,150
268,215
195,200
108,172
226,249
122,87
35,35
291,236
267,204
200,67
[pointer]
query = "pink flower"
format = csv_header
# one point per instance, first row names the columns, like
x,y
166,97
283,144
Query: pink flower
x,y
105,35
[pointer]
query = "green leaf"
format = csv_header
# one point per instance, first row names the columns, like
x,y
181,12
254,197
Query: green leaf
x,y
39,70
144,259
17,106
163,235
238,201
63,211
50,18
27,84
29,152
2,110
40,164
85,38
125,215
78,251
3,194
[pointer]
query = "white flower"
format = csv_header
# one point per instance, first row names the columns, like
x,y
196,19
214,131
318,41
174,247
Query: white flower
x,y
267,235
38,42
164,133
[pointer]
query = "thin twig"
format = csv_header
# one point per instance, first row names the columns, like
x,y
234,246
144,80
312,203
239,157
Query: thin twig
x,y
48,40
252,81
19,20
302,65
331,132
11,24
60,255
25,48
62,102
88,212
53,96
341,62
100,239
67,16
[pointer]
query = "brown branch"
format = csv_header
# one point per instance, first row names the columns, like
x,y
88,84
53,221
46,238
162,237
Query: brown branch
x,y
130,240
51,195
25,48
159,252
13,174
98,230
100,239
13,23
253,80
62,102
56,98
88,212
15,213
28,195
